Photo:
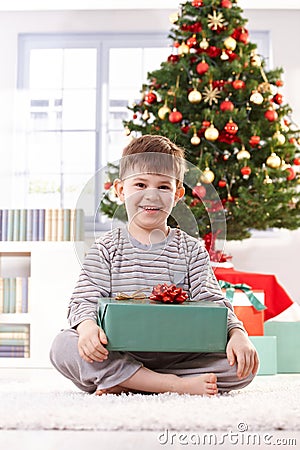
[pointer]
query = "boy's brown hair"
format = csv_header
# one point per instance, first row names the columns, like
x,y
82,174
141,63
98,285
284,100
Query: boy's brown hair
x,y
153,154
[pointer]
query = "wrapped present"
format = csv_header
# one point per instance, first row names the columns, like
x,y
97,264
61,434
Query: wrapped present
x,y
248,306
146,325
288,338
266,347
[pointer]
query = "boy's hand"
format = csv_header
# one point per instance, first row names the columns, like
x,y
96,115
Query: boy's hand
x,y
240,350
91,338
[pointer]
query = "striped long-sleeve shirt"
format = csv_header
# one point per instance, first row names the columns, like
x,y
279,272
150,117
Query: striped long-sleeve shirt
x,y
117,262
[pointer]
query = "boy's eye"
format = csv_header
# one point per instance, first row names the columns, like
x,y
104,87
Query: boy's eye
x,y
140,185
164,187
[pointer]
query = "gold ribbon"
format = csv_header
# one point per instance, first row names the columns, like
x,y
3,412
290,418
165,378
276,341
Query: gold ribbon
x,y
137,295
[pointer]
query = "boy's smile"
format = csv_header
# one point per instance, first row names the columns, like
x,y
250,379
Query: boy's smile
x,y
149,199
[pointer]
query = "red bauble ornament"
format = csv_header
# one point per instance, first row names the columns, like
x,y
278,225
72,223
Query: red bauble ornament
x,y
279,83
192,42
244,37
173,58
278,99
231,127
185,129
213,52
254,140
197,3
199,191
226,4
205,123
222,183
271,115
195,202
291,173
245,171
297,161
134,116
226,105
168,293
175,116
238,84
202,67
150,98
107,185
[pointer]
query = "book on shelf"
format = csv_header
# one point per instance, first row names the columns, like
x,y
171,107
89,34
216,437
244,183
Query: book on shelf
x,y
14,295
14,341
42,224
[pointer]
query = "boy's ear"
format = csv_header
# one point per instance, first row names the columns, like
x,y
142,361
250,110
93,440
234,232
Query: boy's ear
x,y
180,191
119,189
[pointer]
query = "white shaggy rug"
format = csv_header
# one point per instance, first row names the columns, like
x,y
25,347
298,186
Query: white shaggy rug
x,y
43,400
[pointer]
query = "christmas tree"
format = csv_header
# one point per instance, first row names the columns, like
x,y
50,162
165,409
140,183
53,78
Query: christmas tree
x,y
214,97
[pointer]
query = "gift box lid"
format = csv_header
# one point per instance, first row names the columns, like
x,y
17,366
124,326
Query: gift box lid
x,y
144,325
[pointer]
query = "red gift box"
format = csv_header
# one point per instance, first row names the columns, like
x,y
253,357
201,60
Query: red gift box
x,y
253,320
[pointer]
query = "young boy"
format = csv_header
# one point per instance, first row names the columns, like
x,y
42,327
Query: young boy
x,y
142,255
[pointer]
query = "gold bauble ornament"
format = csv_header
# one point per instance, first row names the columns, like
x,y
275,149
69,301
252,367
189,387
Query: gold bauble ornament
x,y
195,140
264,87
163,111
183,49
146,115
255,60
243,154
211,133
208,176
204,44
127,131
274,161
173,17
267,180
230,43
194,96
256,98
224,56
280,138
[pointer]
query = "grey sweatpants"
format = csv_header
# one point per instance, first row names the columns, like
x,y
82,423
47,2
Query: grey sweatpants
x,y
119,366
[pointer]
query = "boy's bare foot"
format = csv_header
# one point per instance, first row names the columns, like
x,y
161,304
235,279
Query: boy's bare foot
x,y
195,385
200,385
113,390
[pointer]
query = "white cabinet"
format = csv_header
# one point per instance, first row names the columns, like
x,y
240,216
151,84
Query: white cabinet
x,y
53,268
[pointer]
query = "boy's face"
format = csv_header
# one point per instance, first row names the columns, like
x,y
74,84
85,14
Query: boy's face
x,y
149,199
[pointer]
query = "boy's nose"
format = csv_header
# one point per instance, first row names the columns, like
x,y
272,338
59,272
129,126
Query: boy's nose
x,y
151,193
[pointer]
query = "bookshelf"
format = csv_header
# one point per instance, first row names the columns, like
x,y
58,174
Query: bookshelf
x,y
52,269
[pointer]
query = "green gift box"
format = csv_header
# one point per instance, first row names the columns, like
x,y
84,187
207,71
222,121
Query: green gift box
x,y
144,325
267,352
288,338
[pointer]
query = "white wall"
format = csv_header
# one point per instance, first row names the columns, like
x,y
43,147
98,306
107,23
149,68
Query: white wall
x,y
276,254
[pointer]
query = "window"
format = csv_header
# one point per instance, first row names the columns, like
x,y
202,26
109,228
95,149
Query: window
x,y
72,98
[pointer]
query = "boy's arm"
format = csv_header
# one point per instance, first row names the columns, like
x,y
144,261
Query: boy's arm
x,y
93,283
